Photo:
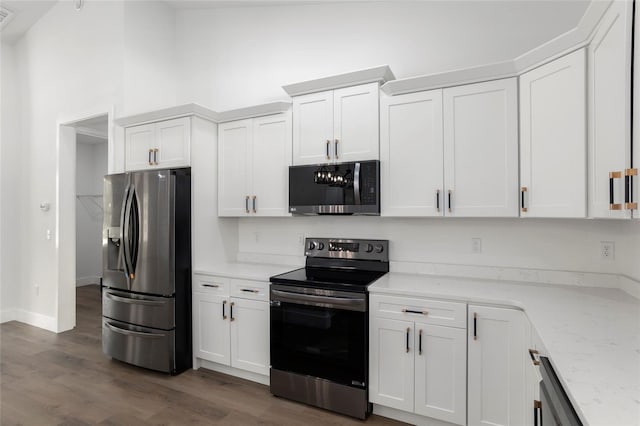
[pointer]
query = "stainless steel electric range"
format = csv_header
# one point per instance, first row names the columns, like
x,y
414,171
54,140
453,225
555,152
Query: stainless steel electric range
x,y
320,323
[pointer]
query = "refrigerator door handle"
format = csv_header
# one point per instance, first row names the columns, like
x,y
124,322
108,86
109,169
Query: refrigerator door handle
x,y
124,223
135,225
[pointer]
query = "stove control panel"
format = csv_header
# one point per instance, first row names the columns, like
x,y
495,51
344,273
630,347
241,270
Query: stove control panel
x,y
347,248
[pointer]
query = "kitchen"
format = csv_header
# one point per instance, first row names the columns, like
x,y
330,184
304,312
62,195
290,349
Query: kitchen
x,y
233,57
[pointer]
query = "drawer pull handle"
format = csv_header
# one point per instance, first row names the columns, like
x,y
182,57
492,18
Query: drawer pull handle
x,y
523,190
612,177
420,342
224,315
249,290
411,311
210,285
532,354
231,309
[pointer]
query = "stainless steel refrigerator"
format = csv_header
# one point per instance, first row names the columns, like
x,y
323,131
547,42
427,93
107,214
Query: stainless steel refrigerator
x,y
146,281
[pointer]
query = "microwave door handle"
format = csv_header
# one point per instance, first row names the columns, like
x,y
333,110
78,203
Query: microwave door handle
x,y
356,184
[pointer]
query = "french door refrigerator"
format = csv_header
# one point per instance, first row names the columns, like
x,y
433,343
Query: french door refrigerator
x,y
146,281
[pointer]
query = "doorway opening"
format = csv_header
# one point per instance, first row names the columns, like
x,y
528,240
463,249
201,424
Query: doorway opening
x,y
83,150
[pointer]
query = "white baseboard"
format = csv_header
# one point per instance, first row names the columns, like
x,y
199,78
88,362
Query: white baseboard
x,y
7,315
407,417
92,279
37,320
225,369
630,285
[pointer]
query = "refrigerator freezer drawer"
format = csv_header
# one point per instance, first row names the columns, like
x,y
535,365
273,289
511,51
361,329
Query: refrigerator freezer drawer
x,y
141,346
142,310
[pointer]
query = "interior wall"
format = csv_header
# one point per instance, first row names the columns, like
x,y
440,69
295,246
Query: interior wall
x,y
234,57
547,244
242,56
91,166
11,172
70,63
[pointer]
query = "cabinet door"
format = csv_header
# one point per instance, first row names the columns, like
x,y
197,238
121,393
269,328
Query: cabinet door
x,y
481,149
411,154
441,373
355,123
173,140
609,79
391,357
313,128
496,366
139,143
234,141
211,328
250,335
553,138
269,164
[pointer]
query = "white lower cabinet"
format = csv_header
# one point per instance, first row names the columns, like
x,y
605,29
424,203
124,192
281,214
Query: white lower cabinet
x,y
496,366
231,322
417,364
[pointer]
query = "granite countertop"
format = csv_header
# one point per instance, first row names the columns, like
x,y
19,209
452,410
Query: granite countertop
x,y
247,271
592,335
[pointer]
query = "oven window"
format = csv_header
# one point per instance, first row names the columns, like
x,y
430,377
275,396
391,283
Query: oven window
x,y
322,342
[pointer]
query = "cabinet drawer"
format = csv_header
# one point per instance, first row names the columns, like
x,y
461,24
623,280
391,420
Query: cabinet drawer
x,y
424,311
247,289
211,284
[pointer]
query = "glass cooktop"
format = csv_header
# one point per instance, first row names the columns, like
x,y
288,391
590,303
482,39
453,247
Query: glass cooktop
x,y
327,278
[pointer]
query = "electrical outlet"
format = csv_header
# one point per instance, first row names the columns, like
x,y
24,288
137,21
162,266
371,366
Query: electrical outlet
x,y
256,237
607,250
476,245
301,239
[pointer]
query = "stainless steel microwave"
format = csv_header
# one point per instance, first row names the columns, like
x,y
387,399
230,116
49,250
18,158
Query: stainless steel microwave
x,y
344,188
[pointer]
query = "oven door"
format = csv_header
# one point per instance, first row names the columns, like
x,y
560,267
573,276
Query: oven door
x,y
320,333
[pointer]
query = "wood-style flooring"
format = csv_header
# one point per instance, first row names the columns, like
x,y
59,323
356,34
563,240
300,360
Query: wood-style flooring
x,y
64,379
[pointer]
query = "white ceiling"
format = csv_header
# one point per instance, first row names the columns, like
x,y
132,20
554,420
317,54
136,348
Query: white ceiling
x,y
26,13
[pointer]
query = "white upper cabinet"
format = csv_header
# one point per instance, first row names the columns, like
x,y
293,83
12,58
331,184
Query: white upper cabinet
x,y
164,144
451,152
481,149
553,138
253,159
234,142
336,125
609,88
411,154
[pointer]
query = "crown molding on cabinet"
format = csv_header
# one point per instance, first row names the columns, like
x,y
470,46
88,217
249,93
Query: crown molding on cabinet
x,y
167,114
381,74
254,111
567,42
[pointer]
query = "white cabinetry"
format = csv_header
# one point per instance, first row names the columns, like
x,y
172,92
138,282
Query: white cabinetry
x,y
418,356
253,159
496,366
231,322
609,88
553,138
164,144
336,126
481,149
451,152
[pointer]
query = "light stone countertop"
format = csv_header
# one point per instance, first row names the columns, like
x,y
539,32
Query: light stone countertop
x,y
592,335
247,271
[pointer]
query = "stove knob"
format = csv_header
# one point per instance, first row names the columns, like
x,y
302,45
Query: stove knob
x,y
369,248
311,245
320,246
379,248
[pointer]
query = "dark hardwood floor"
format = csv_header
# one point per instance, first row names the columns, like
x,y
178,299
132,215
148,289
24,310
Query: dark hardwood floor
x,y
49,379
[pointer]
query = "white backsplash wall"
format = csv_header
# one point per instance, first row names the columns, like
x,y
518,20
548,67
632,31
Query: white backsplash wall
x,y
553,244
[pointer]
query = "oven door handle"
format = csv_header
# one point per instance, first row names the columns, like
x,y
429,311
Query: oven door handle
x,y
323,301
